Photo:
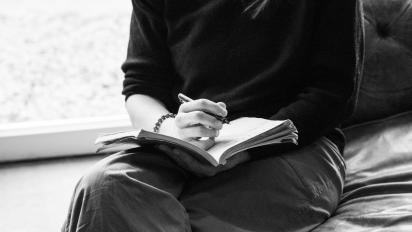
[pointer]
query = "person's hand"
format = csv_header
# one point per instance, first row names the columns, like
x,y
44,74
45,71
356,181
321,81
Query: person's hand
x,y
199,168
192,123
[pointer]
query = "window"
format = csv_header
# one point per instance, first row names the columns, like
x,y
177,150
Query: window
x,y
60,65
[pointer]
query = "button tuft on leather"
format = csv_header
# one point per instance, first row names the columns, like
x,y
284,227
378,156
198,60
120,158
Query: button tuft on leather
x,y
386,86
382,29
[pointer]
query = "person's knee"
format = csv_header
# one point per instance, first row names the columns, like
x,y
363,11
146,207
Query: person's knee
x,y
100,175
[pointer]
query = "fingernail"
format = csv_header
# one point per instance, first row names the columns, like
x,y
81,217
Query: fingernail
x,y
217,133
222,104
224,113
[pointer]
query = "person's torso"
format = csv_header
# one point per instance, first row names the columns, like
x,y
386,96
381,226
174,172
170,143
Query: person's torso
x,y
255,66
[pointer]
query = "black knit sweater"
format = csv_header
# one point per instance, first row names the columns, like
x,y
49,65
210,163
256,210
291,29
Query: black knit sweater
x,y
296,60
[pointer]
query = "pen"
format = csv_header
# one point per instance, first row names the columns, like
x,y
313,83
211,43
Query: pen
x,y
183,99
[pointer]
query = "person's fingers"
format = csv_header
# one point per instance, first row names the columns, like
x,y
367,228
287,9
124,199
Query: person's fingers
x,y
183,120
203,105
197,131
204,144
222,104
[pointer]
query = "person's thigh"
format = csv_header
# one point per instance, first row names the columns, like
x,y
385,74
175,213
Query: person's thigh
x,y
134,190
295,191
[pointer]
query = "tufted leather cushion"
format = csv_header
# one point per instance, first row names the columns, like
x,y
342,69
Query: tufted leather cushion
x,y
378,188
386,86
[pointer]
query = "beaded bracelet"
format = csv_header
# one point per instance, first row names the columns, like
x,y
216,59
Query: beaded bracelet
x,y
161,119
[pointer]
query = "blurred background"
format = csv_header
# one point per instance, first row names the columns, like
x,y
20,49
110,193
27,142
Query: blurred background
x,y
61,58
60,86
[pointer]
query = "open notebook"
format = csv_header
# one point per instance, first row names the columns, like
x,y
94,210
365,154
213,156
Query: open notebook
x,y
241,134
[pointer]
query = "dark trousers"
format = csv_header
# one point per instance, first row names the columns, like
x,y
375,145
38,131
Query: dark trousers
x,y
143,190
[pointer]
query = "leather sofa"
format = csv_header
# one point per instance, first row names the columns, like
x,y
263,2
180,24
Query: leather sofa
x,y
378,190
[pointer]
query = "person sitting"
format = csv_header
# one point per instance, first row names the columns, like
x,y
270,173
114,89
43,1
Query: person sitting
x,y
273,59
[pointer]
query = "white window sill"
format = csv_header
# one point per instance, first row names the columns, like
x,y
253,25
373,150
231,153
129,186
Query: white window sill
x,y
35,140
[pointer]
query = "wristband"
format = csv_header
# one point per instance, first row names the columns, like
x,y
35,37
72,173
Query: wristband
x,y
160,121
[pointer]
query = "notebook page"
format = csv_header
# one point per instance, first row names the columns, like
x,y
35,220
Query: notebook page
x,y
238,131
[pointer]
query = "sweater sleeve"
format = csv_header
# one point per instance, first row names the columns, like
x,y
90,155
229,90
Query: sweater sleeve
x,y
148,68
329,95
